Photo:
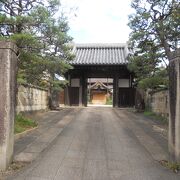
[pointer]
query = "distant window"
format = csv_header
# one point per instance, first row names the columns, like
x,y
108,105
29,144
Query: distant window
x,y
124,83
75,82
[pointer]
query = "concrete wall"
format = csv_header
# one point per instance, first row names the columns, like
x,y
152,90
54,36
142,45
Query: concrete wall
x,y
31,98
158,102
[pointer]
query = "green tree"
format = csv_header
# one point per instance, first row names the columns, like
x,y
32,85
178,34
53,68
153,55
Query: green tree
x,y
155,33
41,36
156,82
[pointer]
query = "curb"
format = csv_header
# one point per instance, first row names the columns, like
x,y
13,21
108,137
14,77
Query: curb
x,y
22,134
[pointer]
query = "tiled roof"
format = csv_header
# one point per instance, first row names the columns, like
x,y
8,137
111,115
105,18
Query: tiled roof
x,y
100,54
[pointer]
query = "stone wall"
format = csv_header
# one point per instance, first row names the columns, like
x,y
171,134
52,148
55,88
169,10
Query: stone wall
x,y
158,102
31,98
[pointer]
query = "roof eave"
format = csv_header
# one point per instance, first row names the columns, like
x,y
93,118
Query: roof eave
x,y
98,64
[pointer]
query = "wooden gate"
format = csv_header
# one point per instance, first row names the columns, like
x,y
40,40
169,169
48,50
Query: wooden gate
x,y
74,96
126,97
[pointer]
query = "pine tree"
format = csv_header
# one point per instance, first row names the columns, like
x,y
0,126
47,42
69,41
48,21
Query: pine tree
x,y
41,36
155,34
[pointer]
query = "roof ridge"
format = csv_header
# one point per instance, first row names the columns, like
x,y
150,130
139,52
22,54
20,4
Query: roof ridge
x,y
99,45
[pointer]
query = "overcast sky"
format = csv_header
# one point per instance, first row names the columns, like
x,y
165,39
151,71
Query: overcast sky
x,y
98,21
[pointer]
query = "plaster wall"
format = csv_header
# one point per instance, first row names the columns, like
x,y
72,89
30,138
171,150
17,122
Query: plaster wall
x,y
31,98
159,102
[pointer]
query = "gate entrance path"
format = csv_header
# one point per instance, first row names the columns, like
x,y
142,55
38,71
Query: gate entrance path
x,y
103,144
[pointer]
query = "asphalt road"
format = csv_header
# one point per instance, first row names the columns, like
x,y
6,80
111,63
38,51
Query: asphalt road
x,y
102,144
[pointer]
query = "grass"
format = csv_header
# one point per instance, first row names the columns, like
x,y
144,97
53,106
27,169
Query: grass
x,y
156,116
22,124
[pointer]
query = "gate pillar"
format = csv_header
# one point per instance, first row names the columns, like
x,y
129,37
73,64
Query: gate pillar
x,y
174,102
8,69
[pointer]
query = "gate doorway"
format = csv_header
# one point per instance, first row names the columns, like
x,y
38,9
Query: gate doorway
x,y
100,72
100,92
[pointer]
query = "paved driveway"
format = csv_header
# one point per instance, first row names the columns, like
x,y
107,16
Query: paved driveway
x,y
101,144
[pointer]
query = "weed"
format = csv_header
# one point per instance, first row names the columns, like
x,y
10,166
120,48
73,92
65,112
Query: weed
x,y
22,123
156,116
174,166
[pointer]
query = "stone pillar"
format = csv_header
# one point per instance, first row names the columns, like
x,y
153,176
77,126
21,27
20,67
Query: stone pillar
x,y
174,102
8,67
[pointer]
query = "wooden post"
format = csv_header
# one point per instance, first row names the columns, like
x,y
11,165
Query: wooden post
x,y
67,92
115,90
84,90
174,102
80,92
8,69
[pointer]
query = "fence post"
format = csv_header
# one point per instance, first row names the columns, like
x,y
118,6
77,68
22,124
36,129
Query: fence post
x,y
174,103
8,68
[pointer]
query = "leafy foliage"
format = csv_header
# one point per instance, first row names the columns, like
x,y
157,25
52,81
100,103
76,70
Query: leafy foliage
x,y
155,26
155,34
149,75
154,83
41,36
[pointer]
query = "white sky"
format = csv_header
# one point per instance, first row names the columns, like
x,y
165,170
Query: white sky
x,y
98,21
